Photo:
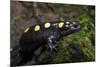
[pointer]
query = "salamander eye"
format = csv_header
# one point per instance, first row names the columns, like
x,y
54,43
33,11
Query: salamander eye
x,y
61,24
26,30
37,28
47,25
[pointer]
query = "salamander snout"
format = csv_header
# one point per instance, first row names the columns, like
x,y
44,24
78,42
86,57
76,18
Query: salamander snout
x,y
72,27
75,26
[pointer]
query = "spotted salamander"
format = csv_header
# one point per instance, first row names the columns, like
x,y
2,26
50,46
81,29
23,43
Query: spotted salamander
x,y
44,33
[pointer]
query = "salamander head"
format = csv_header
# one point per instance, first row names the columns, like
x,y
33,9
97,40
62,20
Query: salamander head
x,y
69,27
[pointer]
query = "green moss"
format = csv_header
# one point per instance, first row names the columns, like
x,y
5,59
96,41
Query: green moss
x,y
61,56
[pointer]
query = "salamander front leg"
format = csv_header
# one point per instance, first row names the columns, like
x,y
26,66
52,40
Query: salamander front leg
x,y
52,43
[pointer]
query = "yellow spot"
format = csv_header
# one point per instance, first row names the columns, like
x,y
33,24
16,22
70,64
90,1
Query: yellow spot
x,y
61,24
37,28
26,29
47,25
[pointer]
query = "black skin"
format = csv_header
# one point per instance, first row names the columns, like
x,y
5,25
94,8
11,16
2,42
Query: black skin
x,y
32,40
